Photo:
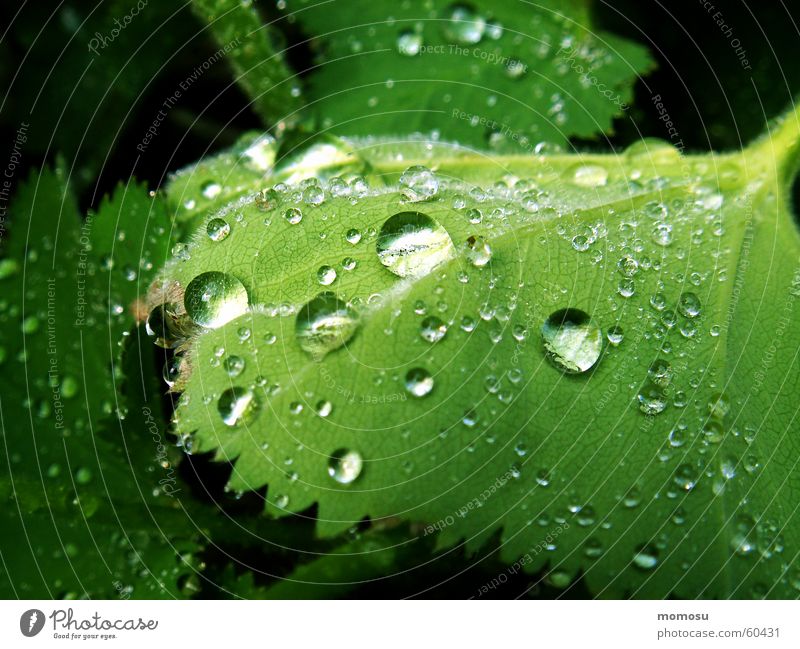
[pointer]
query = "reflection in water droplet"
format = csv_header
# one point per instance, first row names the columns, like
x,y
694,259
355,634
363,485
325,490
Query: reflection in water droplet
x,y
213,299
238,406
218,229
572,341
419,382
345,466
325,324
411,244
172,370
433,329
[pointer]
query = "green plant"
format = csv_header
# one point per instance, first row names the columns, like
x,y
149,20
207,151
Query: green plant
x,y
409,330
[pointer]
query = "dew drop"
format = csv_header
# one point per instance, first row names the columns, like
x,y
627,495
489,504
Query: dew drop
x,y
646,557
689,305
419,184
218,229
477,251
293,215
411,244
238,406
234,365
419,382
212,299
326,275
325,324
433,329
587,175
409,43
572,341
463,25
345,466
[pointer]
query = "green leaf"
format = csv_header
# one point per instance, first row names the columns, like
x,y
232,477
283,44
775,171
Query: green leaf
x,y
256,54
662,462
509,74
90,497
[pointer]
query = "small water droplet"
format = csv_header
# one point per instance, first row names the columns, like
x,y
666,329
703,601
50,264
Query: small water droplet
x,y
463,25
234,365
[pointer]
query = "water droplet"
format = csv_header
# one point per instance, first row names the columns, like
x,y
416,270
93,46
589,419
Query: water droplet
x,y
419,184
652,400
660,373
572,341
213,299
325,324
163,324
211,189
646,557
238,406
326,275
353,236
293,215
433,329
587,175
234,365
324,408
419,382
689,305
628,266
477,251
218,229
463,25
172,370
615,335
345,466
409,43
411,244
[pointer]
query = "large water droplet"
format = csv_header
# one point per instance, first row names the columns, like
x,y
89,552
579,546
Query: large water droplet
x,y
238,406
345,466
411,244
213,299
325,324
572,341
587,175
